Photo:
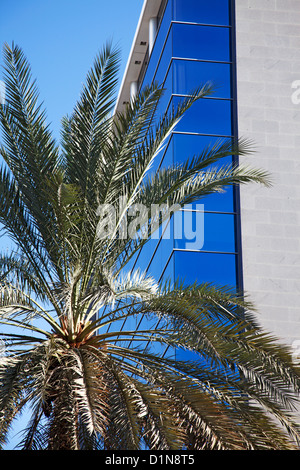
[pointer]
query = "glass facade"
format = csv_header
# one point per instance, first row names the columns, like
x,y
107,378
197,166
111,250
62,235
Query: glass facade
x,y
194,44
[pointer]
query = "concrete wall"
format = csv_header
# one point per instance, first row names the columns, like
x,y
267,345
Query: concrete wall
x,y
268,67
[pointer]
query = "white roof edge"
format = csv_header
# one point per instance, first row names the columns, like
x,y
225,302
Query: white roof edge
x,y
137,52
131,50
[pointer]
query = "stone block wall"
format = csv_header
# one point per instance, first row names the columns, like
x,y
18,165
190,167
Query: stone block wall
x,y
268,83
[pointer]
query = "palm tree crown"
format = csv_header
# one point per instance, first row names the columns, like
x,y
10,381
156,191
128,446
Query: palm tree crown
x,y
90,384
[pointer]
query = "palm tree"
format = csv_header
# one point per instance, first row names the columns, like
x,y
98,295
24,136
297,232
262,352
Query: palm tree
x,y
65,289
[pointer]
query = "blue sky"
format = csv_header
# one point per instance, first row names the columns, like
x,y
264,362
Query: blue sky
x,y
61,38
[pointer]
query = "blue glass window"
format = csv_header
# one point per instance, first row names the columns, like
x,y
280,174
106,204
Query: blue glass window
x,y
165,98
188,75
183,146
159,44
205,231
221,202
201,42
164,62
206,116
217,268
187,146
217,202
202,11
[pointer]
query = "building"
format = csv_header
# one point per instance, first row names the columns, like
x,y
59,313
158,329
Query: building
x,y
252,234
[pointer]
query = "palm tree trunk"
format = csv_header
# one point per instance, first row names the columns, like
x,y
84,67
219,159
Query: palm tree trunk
x,y
63,433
